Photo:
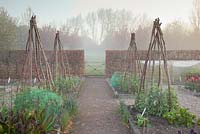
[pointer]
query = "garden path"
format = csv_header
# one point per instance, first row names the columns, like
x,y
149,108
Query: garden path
x,y
188,100
98,110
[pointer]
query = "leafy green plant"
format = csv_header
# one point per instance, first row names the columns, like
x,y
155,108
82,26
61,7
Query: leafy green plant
x,y
125,82
140,101
156,101
70,105
124,112
64,119
67,112
34,98
198,121
192,78
66,85
23,122
129,83
180,117
142,121
192,86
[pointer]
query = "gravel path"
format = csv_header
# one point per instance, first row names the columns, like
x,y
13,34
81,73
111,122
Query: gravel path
x,y
98,110
188,100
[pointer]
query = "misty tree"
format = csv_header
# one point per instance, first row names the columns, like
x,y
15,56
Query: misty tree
x,y
73,25
92,24
21,36
47,33
106,20
7,30
176,35
195,17
124,20
26,16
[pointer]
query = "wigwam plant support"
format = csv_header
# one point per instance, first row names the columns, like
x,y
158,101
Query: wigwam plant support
x,y
36,66
156,51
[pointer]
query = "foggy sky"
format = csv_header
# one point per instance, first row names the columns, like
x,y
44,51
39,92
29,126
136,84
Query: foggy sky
x,y
56,11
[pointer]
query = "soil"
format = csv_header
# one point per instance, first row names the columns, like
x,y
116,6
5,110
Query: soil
x,y
161,126
98,110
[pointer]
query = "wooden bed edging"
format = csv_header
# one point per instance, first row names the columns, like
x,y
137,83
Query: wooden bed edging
x,y
133,127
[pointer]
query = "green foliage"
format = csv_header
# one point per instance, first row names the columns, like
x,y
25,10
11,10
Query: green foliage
x,y
192,71
198,121
192,79
70,105
142,121
180,117
64,119
174,99
67,111
34,98
128,83
140,101
124,112
156,101
66,85
38,111
192,86
24,122
7,30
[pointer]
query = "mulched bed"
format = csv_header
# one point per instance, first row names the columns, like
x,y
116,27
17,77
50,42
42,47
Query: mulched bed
x,y
161,126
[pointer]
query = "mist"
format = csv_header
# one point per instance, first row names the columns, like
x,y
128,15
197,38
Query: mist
x,y
104,29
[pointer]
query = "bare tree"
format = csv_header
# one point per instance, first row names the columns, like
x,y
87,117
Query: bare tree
x,y
195,17
92,23
25,18
73,25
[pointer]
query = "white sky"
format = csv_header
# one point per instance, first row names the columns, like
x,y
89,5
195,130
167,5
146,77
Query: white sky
x,y
56,11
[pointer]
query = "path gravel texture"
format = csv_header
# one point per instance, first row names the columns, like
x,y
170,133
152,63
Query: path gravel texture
x,y
188,100
98,110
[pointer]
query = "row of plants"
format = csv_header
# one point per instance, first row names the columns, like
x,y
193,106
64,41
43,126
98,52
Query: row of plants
x,y
125,82
41,111
67,85
192,80
154,105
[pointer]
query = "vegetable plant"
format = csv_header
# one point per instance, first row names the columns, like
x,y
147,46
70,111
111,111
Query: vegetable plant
x,y
124,112
142,121
155,101
180,117
126,82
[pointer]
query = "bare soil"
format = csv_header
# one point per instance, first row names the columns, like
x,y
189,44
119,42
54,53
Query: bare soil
x,y
98,110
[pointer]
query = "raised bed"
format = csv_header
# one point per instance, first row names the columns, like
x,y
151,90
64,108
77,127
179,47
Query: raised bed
x,y
158,125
